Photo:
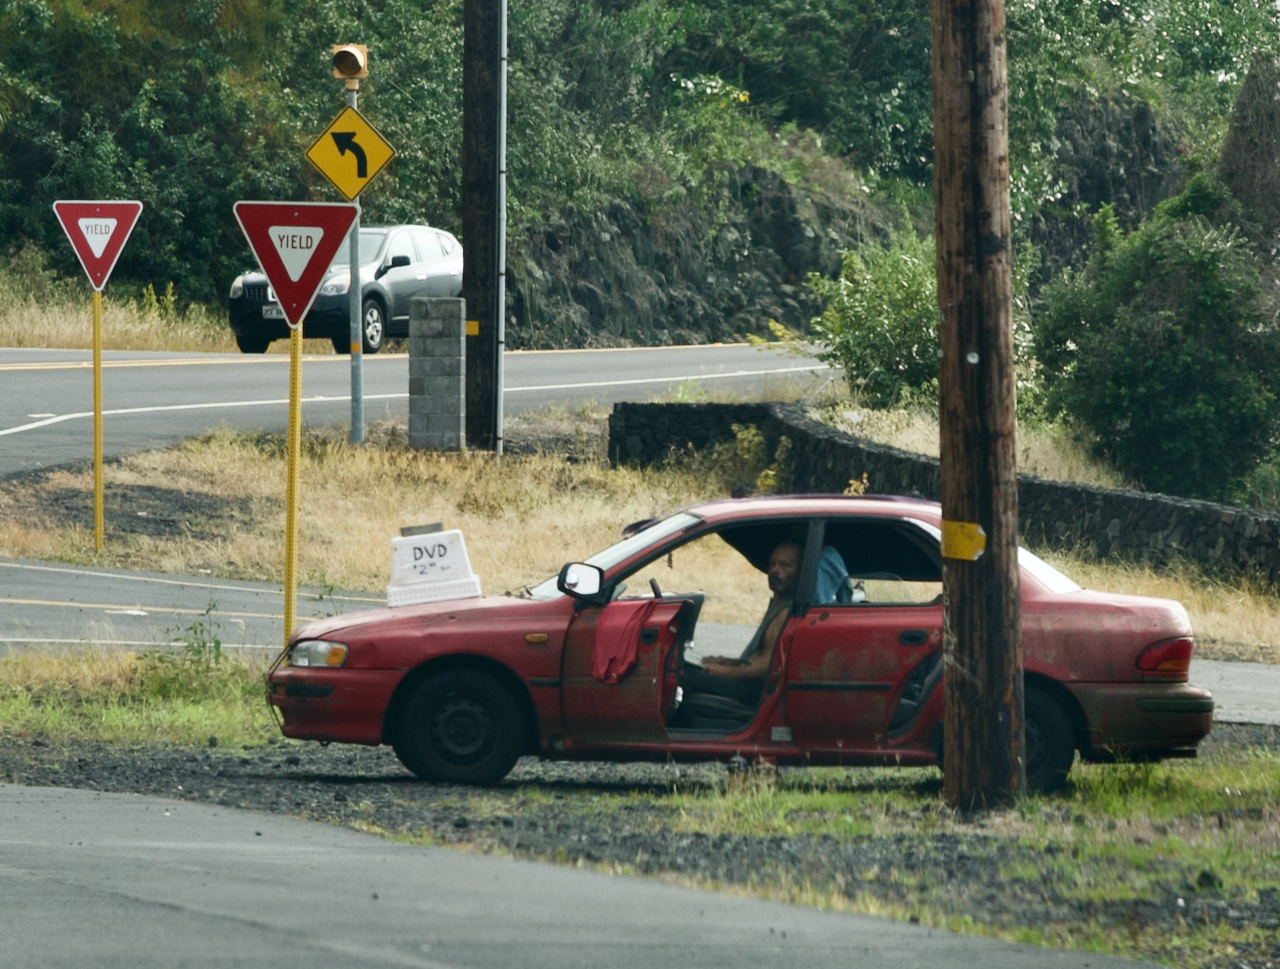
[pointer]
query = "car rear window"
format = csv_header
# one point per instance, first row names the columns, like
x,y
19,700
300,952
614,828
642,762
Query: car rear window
x,y
1046,574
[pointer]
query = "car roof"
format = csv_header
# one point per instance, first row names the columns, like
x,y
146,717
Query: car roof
x,y
889,506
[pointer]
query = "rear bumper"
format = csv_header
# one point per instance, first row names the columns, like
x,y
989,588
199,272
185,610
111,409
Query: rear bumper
x,y
343,706
1143,718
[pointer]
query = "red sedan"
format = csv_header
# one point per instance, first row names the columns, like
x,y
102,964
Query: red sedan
x,y
834,658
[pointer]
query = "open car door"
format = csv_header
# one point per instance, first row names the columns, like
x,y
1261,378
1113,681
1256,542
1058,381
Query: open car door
x,y
618,669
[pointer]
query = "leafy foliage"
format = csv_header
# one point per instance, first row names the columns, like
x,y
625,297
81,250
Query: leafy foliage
x,y
192,106
880,322
1160,348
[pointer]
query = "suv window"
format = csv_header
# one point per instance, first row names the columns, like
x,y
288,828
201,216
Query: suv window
x,y
428,244
401,245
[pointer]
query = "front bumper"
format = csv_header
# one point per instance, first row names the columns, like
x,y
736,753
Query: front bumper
x,y
1143,718
328,317
343,706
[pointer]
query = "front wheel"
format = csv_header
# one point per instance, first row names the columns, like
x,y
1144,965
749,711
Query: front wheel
x,y
373,326
1051,746
252,344
460,727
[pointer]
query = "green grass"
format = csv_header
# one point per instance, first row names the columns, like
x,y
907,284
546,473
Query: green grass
x,y
173,698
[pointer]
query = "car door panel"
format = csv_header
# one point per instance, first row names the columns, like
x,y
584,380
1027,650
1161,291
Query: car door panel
x,y
630,710
846,667
401,282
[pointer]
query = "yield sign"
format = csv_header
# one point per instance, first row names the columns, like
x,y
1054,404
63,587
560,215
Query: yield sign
x,y
350,153
97,232
294,243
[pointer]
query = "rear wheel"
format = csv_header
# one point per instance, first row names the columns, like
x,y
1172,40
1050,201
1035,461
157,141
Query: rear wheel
x,y
460,727
373,325
1051,746
252,344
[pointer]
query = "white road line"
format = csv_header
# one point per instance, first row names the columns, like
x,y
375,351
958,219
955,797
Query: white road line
x,y
174,407
177,582
35,425
667,380
29,641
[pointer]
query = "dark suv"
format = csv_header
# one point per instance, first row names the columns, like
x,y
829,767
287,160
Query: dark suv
x,y
397,263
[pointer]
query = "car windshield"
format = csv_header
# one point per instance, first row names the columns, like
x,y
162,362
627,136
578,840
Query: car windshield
x,y
370,242
624,549
1049,577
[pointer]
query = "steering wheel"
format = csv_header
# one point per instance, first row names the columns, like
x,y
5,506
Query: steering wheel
x,y
653,584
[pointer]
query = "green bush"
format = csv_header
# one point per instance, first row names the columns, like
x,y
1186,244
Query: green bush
x,y
1160,348
880,321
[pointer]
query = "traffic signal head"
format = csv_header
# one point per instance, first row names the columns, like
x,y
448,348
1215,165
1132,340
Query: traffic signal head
x,y
350,61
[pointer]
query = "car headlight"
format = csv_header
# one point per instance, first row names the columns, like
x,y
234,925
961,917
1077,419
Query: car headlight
x,y
335,286
318,652
237,287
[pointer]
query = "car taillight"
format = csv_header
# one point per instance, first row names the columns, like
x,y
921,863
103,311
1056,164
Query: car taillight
x,y
1168,659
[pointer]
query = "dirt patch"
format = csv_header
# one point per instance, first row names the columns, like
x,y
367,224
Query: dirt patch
x,y
143,510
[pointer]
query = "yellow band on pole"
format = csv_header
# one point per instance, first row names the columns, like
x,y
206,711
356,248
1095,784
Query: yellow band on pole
x,y
291,487
98,523
963,540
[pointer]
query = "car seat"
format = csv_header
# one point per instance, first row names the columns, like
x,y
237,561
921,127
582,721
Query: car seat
x,y
832,587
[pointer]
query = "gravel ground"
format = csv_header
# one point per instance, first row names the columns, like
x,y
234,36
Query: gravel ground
x,y
619,816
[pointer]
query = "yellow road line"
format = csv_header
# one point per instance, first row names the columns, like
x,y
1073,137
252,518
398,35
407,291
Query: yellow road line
x,y
192,362
326,358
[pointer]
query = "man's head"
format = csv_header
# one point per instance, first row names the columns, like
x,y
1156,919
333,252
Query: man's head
x,y
784,568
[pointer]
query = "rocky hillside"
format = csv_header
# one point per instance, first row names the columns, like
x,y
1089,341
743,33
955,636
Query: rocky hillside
x,y
679,271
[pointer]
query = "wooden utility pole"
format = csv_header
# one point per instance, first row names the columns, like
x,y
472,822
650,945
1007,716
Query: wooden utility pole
x,y
484,220
984,749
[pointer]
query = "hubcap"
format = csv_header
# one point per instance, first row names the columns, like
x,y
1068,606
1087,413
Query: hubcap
x,y
461,728
373,326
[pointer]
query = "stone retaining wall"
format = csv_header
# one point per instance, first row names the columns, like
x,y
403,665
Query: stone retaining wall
x,y
1105,521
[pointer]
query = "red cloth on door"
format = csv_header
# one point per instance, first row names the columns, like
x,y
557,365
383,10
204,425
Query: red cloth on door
x,y
618,638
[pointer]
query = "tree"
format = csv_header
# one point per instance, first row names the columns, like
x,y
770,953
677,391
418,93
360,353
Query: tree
x,y
1160,348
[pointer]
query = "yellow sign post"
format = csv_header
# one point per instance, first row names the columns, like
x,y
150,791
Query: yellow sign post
x,y
350,153
294,243
97,230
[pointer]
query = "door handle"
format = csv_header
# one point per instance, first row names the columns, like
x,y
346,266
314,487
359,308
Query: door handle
x,y
913,637
422,275
649,635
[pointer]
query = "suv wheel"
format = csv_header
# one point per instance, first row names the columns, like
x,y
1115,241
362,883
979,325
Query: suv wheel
x,y
373,326
252,344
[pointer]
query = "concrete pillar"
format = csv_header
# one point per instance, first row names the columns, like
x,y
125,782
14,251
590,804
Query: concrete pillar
x,y
437,373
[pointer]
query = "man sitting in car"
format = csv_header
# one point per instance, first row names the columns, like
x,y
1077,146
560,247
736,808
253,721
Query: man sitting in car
x,y
742,679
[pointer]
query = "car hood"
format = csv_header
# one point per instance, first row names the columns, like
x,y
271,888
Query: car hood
x,y
451,610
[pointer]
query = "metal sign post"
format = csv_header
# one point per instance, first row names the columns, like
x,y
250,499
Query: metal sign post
x,y
294,242
351,153
97,231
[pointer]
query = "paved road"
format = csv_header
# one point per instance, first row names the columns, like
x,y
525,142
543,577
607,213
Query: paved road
x,y
89,879
50,606
152,399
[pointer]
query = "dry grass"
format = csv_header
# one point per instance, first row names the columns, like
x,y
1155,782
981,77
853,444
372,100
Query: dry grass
x,y
524,516
1048,451
40,309
126,325
1233,618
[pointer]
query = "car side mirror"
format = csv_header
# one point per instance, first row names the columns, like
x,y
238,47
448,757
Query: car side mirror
x,y
397,262
580,580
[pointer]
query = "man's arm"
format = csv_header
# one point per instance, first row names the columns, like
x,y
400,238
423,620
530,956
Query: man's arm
x,y
755,668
